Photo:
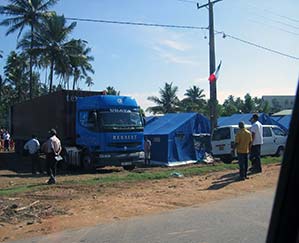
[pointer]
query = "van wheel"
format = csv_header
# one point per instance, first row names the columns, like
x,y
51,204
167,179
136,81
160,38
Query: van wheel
x,y
129,167
227,159
279,152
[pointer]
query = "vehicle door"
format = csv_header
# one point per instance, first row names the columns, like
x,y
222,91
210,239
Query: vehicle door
x,y
87,129
280,136
221,141
268,146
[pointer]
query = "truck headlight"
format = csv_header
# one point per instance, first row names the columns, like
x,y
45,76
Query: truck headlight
x,y
141,155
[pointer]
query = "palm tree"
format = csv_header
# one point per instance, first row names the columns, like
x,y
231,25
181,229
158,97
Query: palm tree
x,y
112,91
168,101
195,100
80,61
25,13
51,42
16,72
89,82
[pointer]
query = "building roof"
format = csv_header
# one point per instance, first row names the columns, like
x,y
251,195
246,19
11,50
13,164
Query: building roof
x,y
283,113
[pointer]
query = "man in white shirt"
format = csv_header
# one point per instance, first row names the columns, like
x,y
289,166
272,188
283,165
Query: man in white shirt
x,y
257,141
32,146
6,138
52,148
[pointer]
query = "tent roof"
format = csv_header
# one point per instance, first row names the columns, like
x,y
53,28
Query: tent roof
x,y
236,118
167,123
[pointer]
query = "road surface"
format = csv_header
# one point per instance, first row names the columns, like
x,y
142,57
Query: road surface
x,y
243,219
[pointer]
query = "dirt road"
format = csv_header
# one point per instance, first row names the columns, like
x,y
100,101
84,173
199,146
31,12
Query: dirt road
x,y
65,206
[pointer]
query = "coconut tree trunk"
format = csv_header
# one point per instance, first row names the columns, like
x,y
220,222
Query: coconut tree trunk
x,y
74,83
30,65
51,74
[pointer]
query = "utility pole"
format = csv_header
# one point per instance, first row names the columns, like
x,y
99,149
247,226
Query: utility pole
x,y
213,87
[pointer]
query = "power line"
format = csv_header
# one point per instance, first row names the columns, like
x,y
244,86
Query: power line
x,y
274,27
138,23
257,45
273,13
182,27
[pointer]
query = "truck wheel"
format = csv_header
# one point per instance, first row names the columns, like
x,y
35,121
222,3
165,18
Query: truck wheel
x,y
227,159
129,167
279,152
87,162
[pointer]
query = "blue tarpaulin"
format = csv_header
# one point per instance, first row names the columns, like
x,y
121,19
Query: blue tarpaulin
x,y
171,137
236,118
283,120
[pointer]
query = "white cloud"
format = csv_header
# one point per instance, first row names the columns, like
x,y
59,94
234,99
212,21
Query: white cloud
x,y
175,44
171,57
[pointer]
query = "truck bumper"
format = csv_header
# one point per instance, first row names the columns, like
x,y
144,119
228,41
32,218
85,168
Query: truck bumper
x,y
123,159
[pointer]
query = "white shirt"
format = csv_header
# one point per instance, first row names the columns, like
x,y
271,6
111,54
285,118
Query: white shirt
x,y
32,145
6,136
53,144
257,129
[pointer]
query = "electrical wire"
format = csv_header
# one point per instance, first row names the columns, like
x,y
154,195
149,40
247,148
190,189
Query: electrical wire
x,y
256,45
137,23
183,27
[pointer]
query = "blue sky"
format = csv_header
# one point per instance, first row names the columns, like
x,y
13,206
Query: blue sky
x,y
139,60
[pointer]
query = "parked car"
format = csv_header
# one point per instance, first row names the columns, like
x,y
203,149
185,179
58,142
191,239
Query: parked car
x,y
223,141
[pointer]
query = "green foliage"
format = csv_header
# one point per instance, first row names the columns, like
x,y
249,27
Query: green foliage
x,y
167,102
112,91
194,101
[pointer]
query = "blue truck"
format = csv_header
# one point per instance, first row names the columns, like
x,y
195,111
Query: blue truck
x,y
96,130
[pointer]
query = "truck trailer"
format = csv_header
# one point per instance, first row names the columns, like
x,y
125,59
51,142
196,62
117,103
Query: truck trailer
x,y
95,129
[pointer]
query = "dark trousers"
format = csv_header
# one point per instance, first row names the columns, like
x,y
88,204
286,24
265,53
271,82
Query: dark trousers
x,y
51,165
255,157
243,164
35,163
6,145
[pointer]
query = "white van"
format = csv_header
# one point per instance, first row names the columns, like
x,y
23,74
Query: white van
x,y
223,141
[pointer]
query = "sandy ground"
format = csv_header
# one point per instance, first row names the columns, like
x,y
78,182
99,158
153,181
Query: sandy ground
x,y
66,206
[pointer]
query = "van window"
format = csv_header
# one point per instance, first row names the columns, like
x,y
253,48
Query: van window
x,y
221,133
278,132
236,130
267,132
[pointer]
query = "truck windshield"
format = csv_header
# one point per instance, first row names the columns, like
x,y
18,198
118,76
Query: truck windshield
x,y
120,120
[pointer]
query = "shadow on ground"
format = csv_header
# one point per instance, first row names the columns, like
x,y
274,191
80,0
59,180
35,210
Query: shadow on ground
x,y
224,181
21,166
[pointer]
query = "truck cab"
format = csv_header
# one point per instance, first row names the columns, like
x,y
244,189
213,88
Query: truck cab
x,y
109,131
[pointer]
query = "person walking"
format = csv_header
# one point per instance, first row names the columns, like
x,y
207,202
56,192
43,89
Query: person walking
x,y
147,151
243,142
33,146
257,141
6,138
52,148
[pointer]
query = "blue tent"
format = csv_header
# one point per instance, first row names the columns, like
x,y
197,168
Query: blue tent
x,y
283,120
149,119
171,137
236,118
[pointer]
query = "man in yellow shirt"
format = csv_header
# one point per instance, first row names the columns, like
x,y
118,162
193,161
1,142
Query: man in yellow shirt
x,y
243,142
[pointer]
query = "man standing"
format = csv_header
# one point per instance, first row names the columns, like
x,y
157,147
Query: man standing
x,y
243,142
257,141
52,149
147,151
6,138
33,148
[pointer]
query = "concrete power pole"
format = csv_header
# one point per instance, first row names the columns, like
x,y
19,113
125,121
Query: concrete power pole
x,y
213,87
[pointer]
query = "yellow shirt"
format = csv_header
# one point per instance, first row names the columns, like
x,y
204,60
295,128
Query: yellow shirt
x,y
243,140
